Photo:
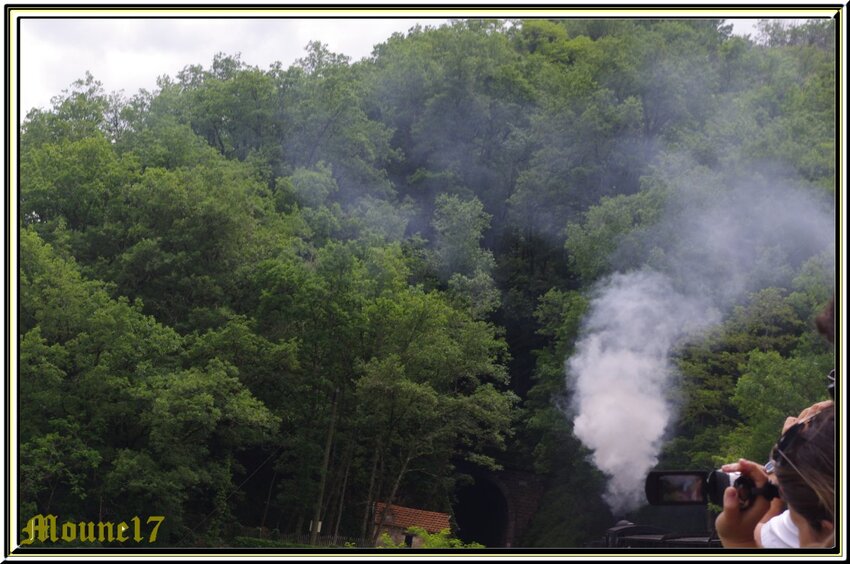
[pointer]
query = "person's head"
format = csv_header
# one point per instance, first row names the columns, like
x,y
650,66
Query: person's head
x,y
804,460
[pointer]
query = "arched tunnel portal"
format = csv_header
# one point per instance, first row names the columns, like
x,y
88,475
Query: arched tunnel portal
x,y
482,514
496,509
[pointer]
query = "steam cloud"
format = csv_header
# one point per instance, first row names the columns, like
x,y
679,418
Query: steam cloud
x,y
622,372
716,246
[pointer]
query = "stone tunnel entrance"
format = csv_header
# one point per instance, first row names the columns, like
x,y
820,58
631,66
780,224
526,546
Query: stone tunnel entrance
x,y
482,514
497,508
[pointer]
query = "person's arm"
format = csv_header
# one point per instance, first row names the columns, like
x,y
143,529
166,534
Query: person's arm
x,y
777,506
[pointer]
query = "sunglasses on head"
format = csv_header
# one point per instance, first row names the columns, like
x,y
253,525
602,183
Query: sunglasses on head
x,y
777,453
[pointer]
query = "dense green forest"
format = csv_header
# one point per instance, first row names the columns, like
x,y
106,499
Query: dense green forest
x,y
255,298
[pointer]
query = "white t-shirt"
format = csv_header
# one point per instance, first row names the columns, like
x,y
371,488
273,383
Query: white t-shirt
x,y
780,532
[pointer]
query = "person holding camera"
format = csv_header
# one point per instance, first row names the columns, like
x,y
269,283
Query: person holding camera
x,y
777,529
803,466
780,531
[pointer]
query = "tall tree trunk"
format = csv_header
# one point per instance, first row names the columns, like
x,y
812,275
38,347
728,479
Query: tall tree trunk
x,y
53,490
317,512
391,498
379,487
364,528
331,482
268,500
341,500
377,473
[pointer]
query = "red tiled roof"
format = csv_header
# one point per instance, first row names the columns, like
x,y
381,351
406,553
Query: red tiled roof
x,y
404,517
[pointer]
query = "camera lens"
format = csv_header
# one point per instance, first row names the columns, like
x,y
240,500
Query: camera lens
x,y
744,487
718,481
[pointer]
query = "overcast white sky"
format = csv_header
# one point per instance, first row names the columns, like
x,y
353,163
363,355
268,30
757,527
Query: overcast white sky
x,y
129,54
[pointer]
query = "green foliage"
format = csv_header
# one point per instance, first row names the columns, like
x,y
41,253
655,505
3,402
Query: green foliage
x,y
125,424
612,231
460,226
256,542
310,187
741,382
770,389
441,539
386,541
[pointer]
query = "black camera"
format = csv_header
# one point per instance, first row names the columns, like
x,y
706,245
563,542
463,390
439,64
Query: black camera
x,y
672,487
830,379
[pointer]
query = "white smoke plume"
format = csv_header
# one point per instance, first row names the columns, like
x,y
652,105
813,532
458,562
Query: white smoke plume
x,y
621,373
716,245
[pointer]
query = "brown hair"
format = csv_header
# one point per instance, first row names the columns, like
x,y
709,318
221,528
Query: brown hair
x,y
825,321
805,469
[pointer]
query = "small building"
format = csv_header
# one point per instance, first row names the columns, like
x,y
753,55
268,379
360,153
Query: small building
x,y
398,519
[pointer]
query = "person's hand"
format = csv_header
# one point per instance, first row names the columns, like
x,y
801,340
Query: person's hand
x,y
736,526
805,414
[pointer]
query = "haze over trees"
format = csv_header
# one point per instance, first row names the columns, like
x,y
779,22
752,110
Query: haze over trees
x,y
256,298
